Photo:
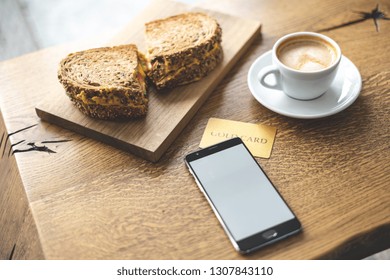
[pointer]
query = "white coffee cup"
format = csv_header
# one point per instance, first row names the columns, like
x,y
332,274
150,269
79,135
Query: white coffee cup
x,y
304,65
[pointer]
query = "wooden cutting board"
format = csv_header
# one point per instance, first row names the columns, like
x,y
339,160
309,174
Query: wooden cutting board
x,y
170,111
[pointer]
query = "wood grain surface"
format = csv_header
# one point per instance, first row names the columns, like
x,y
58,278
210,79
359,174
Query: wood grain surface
x,y
19,237
92,201
169,111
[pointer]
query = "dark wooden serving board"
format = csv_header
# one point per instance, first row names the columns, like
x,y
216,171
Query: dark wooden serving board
x,y
169,112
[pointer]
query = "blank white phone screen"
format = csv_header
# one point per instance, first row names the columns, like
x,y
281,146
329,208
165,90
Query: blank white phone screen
x,y
239,190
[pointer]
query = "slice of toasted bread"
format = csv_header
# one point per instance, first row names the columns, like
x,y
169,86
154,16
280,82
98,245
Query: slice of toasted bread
x,y
106,83
182,49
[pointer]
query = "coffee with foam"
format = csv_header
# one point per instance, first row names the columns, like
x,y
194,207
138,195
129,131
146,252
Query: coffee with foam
x,y
306,53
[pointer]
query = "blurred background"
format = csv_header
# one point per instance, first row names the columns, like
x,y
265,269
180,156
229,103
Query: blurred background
x,y
29,25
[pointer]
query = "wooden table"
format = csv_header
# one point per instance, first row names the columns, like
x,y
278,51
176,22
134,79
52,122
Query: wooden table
x,y
92,201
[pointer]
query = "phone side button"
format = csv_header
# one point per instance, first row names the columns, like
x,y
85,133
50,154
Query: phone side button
x,y
270,234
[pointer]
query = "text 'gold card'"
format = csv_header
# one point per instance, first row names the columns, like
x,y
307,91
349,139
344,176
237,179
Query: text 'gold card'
x,y
259,138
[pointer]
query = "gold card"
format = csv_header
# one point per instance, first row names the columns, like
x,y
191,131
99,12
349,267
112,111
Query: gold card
x,y
259,138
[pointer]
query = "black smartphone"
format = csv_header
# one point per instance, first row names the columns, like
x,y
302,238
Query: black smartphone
x,y
249,207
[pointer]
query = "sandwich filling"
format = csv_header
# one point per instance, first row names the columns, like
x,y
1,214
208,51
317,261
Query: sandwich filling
x,y
107,83
171,71
110,97
196,50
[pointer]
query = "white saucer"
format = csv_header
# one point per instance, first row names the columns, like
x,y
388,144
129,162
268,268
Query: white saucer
x,y
342,93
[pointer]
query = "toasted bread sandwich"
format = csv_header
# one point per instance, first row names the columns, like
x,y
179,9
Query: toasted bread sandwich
x,y
106,83
182,49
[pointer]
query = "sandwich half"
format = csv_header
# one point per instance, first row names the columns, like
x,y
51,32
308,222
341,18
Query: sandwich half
x,y
106,83
182,49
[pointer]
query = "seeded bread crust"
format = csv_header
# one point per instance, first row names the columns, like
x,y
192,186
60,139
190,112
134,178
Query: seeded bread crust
x,y
182,49
112,112
106,83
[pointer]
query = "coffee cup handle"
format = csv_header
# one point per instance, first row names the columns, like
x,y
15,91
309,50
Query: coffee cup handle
x,y
268,70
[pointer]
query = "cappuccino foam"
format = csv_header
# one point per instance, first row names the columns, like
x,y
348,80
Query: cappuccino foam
x,y
306,54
